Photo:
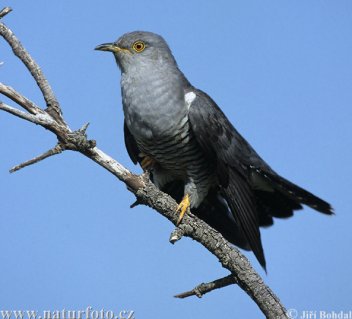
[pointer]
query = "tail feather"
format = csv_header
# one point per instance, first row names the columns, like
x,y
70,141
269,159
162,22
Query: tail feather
x,y
216,213
274,204
297,194
242,203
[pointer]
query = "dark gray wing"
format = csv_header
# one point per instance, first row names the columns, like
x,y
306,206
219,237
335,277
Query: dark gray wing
x,y
254,192
233,155
131,145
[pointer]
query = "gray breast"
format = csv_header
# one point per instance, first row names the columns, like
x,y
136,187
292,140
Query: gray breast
x,y
156,113
174,152
153,104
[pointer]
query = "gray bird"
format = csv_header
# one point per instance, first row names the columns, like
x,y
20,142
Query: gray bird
x,y
192,150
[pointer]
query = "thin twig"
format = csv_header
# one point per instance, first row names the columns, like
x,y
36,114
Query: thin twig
x,y
55,150
5,11
53,106
40,119
20,99
136,203
204,288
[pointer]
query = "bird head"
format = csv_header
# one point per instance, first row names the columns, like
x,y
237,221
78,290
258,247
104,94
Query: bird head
x,y
138,50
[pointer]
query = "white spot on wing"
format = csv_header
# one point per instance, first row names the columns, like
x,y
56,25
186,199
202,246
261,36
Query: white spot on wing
x,y
189,98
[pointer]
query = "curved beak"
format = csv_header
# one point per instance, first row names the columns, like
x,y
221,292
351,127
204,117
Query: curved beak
x,y
106,47
112,47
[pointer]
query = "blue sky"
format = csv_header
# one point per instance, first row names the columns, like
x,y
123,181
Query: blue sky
x,y
280,70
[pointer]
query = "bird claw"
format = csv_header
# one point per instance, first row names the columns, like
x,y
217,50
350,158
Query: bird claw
x,y
182,208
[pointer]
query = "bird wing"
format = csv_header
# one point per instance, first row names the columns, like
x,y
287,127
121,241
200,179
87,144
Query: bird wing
x,y
254,192
233,157
131,145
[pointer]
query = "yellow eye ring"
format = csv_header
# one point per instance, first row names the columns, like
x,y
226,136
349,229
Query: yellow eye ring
x,y
138,46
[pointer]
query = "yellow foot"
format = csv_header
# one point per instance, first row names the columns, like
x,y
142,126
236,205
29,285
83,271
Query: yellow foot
x,y
182,207
147,163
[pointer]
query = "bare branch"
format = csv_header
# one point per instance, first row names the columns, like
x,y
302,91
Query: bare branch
x,y
39,119
204,288
229,256
20,99
134,182
55,150
5,11
36,72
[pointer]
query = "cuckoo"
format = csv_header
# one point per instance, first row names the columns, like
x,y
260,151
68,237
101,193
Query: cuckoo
x,y
193,152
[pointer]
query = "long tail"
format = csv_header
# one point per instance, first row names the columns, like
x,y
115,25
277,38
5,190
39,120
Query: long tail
x,y
296,193
252,208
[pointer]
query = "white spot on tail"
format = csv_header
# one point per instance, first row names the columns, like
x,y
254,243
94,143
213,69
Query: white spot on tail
x,y
189,98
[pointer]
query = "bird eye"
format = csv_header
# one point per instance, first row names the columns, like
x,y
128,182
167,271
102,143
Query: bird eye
x,y
138,46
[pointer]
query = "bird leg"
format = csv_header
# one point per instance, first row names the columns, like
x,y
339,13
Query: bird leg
x,y
147,163
183,207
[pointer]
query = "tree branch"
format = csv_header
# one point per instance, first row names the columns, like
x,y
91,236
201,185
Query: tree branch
x,y
40,119
55,150
20,99
53,106
5,11
204,288
230,257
